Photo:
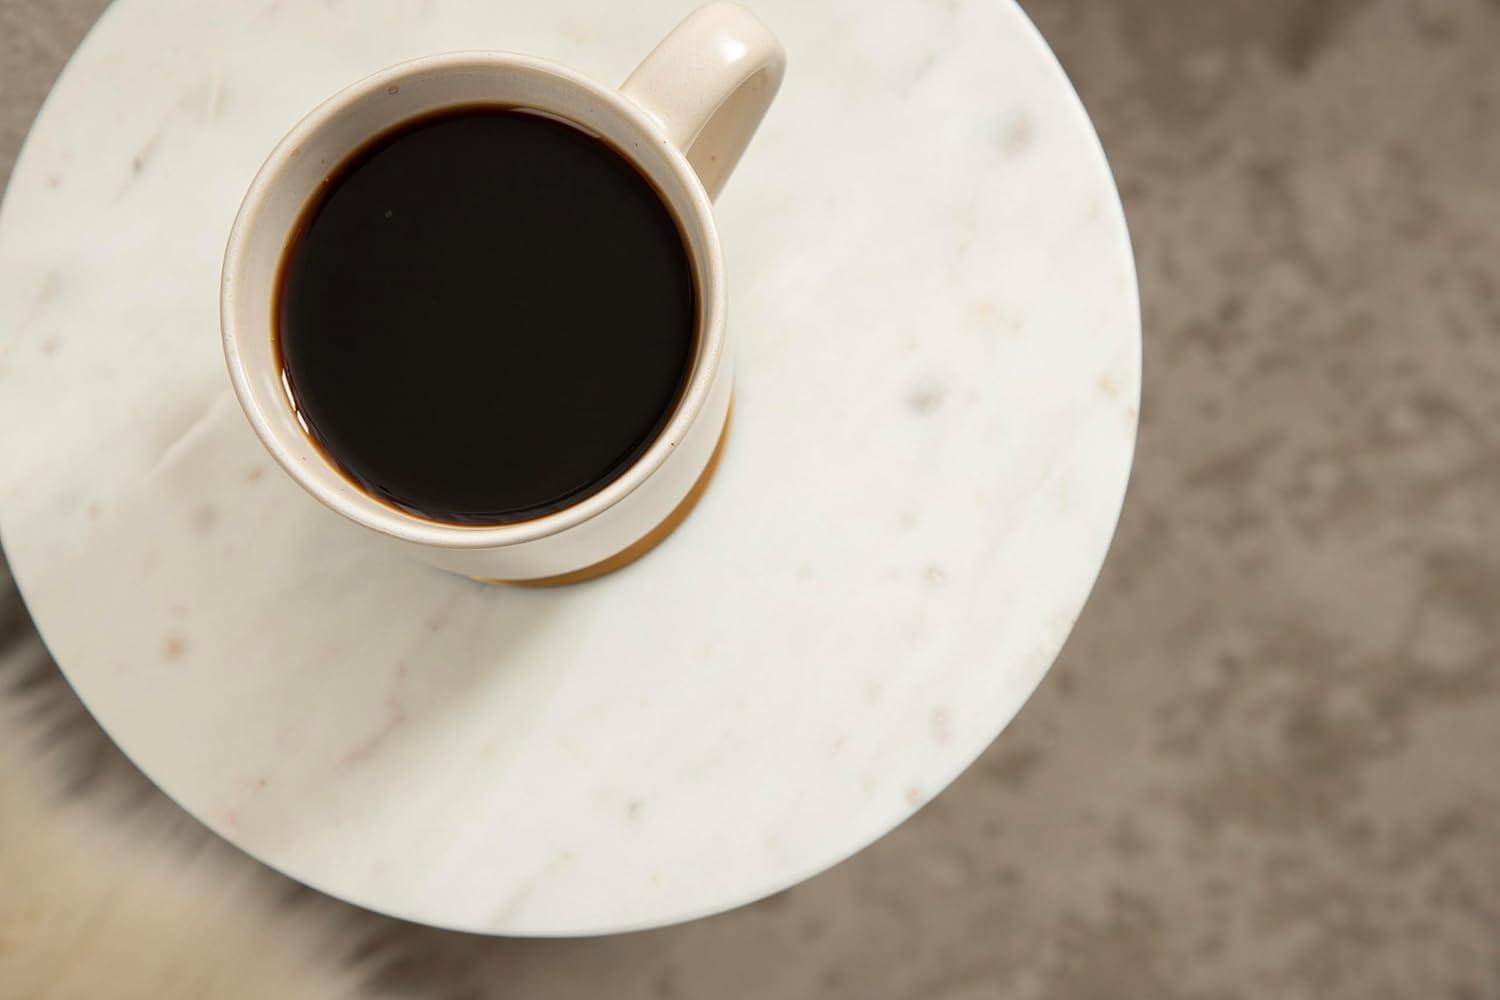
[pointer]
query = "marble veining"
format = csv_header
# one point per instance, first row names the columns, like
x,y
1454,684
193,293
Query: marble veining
x,y
934,309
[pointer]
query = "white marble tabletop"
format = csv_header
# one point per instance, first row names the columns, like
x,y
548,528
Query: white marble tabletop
x,y
938,344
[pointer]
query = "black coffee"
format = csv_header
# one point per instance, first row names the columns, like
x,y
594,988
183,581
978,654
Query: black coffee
x,y
486,315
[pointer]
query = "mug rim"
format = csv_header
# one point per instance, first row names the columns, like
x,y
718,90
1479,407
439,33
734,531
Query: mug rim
x,y
351,500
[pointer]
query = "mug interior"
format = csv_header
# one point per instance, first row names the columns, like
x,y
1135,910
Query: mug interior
x,y
303,161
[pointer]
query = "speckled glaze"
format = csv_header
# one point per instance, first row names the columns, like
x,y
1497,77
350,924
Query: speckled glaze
x,y
936,390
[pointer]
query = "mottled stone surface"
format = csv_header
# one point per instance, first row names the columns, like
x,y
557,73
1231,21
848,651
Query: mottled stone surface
x,y
1264,765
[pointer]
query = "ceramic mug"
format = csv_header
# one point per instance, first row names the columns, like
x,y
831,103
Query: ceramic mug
x,y
683,118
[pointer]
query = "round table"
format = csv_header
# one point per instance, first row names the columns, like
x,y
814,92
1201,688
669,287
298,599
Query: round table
x,y
938,368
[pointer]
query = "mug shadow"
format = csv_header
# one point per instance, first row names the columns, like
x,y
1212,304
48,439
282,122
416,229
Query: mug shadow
x,y
302,653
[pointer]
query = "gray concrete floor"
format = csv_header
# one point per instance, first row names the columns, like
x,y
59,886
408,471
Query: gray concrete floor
x,y
1265,764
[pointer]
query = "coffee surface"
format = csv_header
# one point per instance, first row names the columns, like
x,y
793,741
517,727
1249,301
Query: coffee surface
x,y
485,316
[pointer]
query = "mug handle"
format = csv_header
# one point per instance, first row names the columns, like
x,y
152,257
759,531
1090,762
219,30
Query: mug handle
x,y
708,84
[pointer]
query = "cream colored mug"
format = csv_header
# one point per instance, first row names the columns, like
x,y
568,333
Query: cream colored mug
x,y
683,118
